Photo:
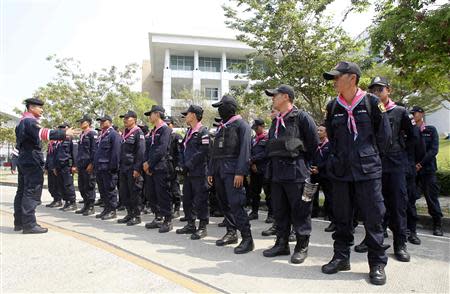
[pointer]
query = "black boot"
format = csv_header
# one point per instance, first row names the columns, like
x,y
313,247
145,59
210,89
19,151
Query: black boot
x,y
66,204
189,228
99,202
155,224
401,253
101,214
253,215
37,229
83,209
70,206
126,218
229,238
437,227
270,231
134,220
269,219
183,219
246,244
331,228
377,274
166,225
336,265
54,203
362,247
301,249
201,232
18,228
111,214
176,212
90,210
281,247
223,224
413,239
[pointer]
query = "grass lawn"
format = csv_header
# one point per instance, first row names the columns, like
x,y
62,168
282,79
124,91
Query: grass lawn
x,y
443,157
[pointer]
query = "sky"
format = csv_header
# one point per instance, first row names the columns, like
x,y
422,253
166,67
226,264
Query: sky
x,y
102,33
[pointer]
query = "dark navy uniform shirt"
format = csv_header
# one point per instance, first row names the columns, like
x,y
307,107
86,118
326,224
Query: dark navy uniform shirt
x,y
157,149
194,152
65,153
108,151
87,146
258,153
428,161
321,156
132,150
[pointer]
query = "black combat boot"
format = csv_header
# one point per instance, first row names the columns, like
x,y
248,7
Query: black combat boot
x,y
301,249
413,239
281,247
111,214
70,206
253,215
269,219
189,228
90,210
377,274
336,265
270,231
331,228
229,238
201,232
437,227
126,218
362,247
37,229
166,226
83,209
223,224
155,224
101,214
134,220
54,203
246,244
401,253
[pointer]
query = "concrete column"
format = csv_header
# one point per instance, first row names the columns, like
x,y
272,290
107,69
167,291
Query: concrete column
x,y
167,84
196,80
167,59
224,83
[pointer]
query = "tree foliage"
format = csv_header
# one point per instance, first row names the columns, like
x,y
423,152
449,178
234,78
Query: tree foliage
x,y
7,134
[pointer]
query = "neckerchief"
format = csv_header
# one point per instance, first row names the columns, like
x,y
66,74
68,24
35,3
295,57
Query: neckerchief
x,y
390,105
50,146
84,134
422,127
191,132
259,138
232,119
280,121
321,145
351,123
103,134
27,114
126,134
155,129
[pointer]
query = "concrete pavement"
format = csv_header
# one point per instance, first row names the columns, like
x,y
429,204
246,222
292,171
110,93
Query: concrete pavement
x,y
133,259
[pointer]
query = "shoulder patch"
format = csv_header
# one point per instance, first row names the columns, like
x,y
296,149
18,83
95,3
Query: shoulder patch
x,y
381,107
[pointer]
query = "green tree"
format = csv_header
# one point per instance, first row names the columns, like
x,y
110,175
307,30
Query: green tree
x,y
295,42
74,92
188,97
7,134
413,36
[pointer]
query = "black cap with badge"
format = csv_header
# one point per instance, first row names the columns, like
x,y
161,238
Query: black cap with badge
x,y
64,125
282,89
104,118
257,122
379,81
85,118
343,67
169,120
226,99
155,108
33,101
416,108
130,113
198,110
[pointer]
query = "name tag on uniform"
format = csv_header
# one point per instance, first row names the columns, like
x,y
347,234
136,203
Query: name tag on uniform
x,y
338,115
220,143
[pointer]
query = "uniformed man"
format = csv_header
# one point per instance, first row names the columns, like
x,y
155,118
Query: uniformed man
x,y
144,200
292,143
51,177
427,167
106,166
394,165
131,160
156,166
319,175
65,155
359,131
29,136
87,147
174,152
228,166
258,164
193,161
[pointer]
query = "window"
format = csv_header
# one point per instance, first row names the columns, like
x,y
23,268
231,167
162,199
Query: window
x,y
236,66
181,62
212,93
209,64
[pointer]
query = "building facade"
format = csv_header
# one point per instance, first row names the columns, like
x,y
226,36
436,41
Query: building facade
x,y
208,66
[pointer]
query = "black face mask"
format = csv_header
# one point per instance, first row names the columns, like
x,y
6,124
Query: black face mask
x,y
226,111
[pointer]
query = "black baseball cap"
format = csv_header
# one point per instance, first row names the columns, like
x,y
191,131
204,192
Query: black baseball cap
x,y
155,108
343,67
105,118
85,118
379,81
226,99
417,109
218,119
284,89
169,120
34,101
198,110
64,125
130,113
257,122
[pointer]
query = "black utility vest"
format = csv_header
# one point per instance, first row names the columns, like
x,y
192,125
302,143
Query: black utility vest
x,y
288,143
227,142
395,119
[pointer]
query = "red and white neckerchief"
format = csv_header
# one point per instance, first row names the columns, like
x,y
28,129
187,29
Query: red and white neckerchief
x,y
126,134
231,120
191,132
351,123
84,134
50,146
280,120
259,138
390,105
155,129
422,127
321,145
44,133
103,134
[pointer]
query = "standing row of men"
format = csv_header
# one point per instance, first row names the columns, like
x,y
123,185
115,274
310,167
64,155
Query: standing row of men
x,y
363,166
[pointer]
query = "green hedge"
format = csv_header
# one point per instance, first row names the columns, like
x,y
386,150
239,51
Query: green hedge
x,y
443,177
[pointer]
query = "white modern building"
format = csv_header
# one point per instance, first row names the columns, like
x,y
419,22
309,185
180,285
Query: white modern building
x,y
206,65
